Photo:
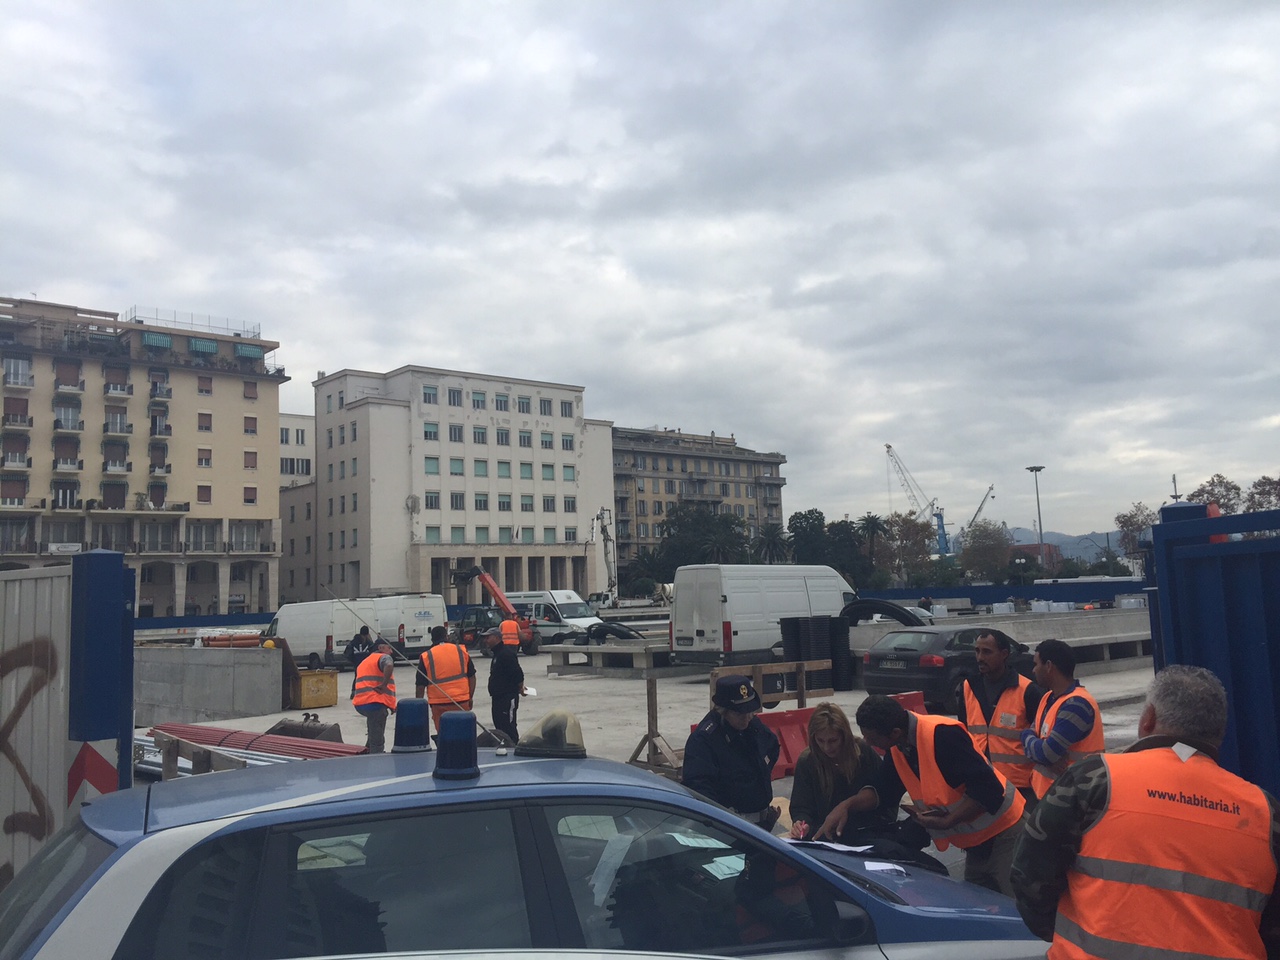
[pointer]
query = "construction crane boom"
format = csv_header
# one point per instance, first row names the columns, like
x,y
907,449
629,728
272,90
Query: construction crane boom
x,y
977,513
916,495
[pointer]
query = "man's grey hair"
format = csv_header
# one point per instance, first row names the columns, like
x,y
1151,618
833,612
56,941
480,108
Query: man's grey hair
x,y
1189,702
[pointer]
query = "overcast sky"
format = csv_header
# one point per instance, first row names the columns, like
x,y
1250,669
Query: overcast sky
x,y
990,234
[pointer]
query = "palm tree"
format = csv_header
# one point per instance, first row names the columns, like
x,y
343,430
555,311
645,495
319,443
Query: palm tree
x,y
771,544
871,526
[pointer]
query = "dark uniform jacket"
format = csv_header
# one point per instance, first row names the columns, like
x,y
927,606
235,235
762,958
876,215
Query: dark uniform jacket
x,y
506,676
358,648
730,767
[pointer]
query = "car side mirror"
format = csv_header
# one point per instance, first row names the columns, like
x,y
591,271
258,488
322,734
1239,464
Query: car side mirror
x,y
853,924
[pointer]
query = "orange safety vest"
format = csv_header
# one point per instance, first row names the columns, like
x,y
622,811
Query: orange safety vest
x,y
1042,777
511,633
372,686
1001,740
1180,861
931,789
445,666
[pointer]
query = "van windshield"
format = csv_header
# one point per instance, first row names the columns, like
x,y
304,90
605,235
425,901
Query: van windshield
x,y
568,610
271,630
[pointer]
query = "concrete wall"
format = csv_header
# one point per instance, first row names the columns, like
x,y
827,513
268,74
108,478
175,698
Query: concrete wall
x,y
198,684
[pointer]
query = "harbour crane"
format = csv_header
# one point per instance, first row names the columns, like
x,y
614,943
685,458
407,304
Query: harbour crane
x,y
921,504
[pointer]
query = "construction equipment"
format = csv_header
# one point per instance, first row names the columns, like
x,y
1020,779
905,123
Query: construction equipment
x,y
921,504
977,513
609,596
469,635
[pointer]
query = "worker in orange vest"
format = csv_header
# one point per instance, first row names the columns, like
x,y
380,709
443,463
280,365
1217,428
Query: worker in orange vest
x,y
956,794
1156,851
997,706
1068,723
510,632
447,675
375,695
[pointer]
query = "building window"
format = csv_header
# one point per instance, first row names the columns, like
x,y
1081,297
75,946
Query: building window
x,y
570,534
642,529
331,506
342,434
544,407
639,484
504,503
204,386
342,539
526,534
526,503
455,433
570,473
307,510
430,534
251,495
330,469
502,437
251,390
548,441
482,534
504,534
431,431
479,434
292,517
642,508
477,400
284,436
548,471
330,541
342,469
526,471
458,534
549,504
355,533
480,468
570,504
306,576
504,469
566,408
526,439
342,503
251,460
524,405
457,500
455,467
307,546
251,426
341,401
204,457
548,534
501,402
204,422
670,487
204,493
431,466
566,441
455,397
482,501
355,502
657,508
291,573
328,403
300,437
430,395
353,431
328,434
431,500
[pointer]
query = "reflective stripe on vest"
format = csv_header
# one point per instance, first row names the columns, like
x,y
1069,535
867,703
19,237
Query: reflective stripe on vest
x,y
372,685
931,789
445,686
1002,742
1042,777
1178,865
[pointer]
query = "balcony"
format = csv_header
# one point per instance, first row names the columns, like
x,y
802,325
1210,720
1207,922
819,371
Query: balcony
x,y
22,503
17,461
202,547
771,500
702,496
67,465
17,421
117,466
74,387
161,469
66,503
67,426
161,391
21,380
55,548
117,389
117,428
162,430
775,481
11,545
231,547
155,546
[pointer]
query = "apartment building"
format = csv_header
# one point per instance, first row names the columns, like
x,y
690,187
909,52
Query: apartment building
x,y
422,471
142,434
654,470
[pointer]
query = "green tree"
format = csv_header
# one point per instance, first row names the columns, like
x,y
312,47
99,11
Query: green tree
x,y
771,544
724,540
908,547
1264,494
986,550
844,548
943,572
1071,568
871,526
1131,525
808,531
1218,489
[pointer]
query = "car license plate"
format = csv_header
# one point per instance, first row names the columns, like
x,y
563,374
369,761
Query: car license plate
x,y
894,664
684,641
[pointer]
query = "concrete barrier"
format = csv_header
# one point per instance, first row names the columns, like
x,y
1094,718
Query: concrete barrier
x,y
200,684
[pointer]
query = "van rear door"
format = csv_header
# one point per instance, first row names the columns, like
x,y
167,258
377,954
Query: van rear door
x,y
708,612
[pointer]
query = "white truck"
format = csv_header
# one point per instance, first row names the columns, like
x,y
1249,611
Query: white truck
x,y
318,631
558,616
727,614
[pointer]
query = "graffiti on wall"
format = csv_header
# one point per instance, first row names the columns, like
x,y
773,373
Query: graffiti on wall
x,y
37,662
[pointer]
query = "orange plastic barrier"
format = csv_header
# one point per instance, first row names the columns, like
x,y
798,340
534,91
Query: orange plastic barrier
x,y
792,729
913,700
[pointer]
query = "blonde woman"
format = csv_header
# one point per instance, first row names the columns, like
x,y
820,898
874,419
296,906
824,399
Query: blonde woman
x,y
834,767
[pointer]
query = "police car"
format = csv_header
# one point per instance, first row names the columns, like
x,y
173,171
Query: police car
x,y
467,849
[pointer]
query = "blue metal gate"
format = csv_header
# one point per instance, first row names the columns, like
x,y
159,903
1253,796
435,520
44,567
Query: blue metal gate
x,y
1217,605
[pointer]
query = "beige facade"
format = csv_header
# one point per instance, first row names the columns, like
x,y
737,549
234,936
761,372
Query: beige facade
x,y
654,470
423,471
154,435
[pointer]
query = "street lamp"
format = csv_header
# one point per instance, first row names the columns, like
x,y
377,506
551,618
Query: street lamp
x,y
1022,579
1035,472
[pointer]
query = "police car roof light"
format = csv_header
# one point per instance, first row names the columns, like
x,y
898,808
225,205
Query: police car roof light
x,y
558,734
412,735
457,758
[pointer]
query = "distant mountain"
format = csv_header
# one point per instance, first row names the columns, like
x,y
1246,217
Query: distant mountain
x,y
1072,545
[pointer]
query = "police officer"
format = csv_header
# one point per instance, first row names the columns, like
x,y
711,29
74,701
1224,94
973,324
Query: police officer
x,y
729,757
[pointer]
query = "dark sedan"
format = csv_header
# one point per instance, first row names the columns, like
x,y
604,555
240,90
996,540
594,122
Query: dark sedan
x,y
933,660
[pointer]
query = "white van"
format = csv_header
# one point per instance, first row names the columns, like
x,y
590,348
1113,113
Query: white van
x,y
558,615
318,632
729,613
